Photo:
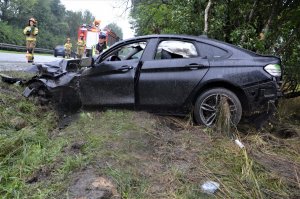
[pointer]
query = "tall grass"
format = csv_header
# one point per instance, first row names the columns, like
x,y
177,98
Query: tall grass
x,y
146,156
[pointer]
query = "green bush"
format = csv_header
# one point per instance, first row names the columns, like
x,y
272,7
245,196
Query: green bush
x,y
14,35
11,35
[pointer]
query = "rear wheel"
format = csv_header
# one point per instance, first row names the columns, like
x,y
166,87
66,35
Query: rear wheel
x,y
208,106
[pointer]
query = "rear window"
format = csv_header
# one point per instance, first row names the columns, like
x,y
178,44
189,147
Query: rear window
x,y
173,49
211,52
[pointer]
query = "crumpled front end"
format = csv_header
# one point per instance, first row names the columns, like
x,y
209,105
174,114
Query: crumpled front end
x,y
59,83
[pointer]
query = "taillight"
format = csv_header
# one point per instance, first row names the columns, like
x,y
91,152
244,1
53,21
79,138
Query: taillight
x,y
273,69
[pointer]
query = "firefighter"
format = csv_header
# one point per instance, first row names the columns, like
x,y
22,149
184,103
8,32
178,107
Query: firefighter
x,y
80,46
68,48
101,45
31,32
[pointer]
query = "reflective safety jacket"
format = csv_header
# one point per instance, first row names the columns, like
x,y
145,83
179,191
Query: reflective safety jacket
x,y
68,46
81,44
31,33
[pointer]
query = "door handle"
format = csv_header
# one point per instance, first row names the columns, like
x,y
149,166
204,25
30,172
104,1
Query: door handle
x,y
194,66
125,68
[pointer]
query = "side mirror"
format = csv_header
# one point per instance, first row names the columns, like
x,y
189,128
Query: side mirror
x,y
86,62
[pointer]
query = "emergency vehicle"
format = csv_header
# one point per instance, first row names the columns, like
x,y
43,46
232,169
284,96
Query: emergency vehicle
x,y
91,36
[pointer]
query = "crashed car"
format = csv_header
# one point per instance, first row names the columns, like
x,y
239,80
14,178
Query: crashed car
x,y
172,74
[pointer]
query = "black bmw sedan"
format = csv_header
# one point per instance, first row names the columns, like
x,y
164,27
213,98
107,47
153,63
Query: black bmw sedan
x,y
174,74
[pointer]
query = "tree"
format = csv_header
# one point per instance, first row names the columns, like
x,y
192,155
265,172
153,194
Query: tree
x,y
265,26
87,17
116,29
54,22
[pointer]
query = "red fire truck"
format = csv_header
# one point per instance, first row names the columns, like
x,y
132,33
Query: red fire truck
x,y
91,36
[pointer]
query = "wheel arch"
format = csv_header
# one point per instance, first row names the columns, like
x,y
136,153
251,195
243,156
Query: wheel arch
x,y
40,81
223,84
34,86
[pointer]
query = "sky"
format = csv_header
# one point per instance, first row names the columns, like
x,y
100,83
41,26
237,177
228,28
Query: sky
x,y
108,11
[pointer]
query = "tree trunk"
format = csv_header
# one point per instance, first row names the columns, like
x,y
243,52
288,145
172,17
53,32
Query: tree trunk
x,y
252,11
227,25
206,17
4,7
265,30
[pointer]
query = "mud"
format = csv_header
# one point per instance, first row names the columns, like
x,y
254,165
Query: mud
x,y
286,131
66,118
41,174
286,169
164,149
88,184
9,91
74,149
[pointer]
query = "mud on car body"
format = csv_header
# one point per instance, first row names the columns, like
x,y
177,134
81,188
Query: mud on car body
x,y
172,74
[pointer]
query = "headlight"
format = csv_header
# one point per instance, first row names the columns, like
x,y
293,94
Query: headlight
x,y
273,69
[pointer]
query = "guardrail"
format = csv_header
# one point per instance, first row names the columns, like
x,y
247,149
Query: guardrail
x,y
12,47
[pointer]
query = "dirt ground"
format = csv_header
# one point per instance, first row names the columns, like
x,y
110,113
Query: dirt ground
x,y
164,151
151,156
174,147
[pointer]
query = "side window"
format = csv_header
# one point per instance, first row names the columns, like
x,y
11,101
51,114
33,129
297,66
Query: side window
x,y
210,51
173,49
127,52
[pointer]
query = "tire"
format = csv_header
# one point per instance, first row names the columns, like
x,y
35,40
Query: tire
x,y
207,106
40,93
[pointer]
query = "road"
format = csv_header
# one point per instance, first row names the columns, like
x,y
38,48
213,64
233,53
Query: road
x,y
17,61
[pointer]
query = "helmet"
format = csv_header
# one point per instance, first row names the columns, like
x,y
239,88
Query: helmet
x,y
33,20
102,35
97,22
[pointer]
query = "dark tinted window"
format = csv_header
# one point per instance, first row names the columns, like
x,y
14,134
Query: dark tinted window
x,y
210,51
127,52
172,49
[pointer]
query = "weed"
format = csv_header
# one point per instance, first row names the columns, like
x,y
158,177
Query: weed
x,y
146,156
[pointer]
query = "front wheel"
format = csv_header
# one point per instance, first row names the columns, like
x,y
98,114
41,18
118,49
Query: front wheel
x,y
40,93
208,105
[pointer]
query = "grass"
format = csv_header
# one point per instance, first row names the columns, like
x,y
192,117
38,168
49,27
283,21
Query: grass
x,y
143,155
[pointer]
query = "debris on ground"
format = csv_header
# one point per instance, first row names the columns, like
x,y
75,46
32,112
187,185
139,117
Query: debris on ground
x,y
210,187
88,184
239,143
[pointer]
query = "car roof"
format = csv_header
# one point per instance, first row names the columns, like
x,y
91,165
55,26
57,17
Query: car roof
x,y
167,36
201,38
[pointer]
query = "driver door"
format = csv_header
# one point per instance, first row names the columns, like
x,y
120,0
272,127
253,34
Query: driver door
x,y
111,82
